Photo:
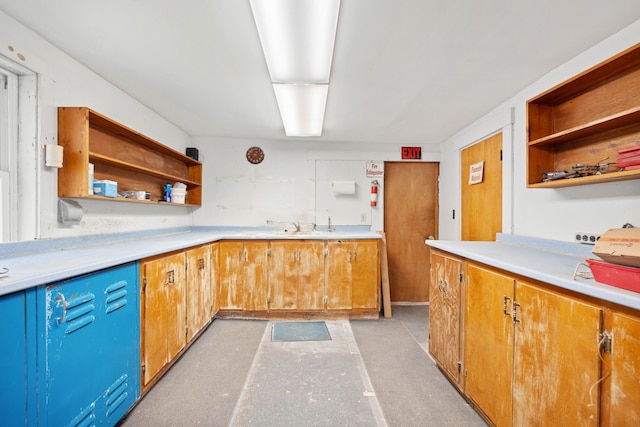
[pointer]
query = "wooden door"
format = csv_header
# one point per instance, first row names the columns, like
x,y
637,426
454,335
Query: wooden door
x,y
556,362
481,215
410,217
154,345
353,281
199,295
255,277
231,275
365,280
488,343
164,320
296,275
624,406
176,320
310,287
215,277
338,273
444,313
283,275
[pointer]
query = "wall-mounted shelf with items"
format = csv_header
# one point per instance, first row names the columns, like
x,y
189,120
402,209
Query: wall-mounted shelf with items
x,y
584,122
120,154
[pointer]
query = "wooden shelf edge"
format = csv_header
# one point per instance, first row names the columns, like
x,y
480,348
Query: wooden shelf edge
x,y
98,158
127,200
586,180
623,118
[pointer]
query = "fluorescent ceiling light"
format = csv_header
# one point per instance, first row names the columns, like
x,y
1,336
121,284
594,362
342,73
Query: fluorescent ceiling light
x,y
302,107
297,38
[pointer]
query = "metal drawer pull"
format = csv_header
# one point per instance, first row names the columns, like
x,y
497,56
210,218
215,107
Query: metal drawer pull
x,y
515,312
60,298
170,277
504,310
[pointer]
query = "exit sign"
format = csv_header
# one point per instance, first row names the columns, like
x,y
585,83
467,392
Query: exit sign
x,y
414,153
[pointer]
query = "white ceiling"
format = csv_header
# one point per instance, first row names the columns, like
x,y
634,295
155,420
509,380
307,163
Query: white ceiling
x,y
404,71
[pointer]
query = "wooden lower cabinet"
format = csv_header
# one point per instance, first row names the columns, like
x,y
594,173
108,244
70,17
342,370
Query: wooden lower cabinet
x,y
199,292
488,343
445,313
556,362
531,354
163,310
623,387
353,275
299,277
243,275
296,275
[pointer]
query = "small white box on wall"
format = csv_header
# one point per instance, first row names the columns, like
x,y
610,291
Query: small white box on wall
x,y
53,155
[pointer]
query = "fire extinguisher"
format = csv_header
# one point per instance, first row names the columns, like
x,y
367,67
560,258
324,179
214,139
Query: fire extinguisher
x,y
374,193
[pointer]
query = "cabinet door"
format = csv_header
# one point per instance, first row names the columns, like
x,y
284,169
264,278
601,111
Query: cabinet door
x,y
164,312
625,368
296,275
215,277
16,348
283,274
231,266
556,362
488,343
353,275
91,345
339,268
199,295
444,313
310,286
255,279
365,275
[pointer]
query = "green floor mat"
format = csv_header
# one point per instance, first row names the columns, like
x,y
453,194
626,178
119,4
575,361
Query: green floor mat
x,y
300,331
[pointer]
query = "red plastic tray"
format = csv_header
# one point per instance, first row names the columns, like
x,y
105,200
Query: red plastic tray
x,y
619,276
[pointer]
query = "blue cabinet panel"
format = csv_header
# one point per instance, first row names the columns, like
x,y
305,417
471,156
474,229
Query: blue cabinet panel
x,y
92,347
13,360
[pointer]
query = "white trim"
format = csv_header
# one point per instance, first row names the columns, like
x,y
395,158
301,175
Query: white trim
x,y
18,141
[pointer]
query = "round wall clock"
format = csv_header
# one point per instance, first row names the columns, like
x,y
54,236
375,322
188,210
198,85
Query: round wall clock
x,y
255,155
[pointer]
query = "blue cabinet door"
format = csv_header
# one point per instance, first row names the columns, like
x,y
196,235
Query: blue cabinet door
x,y
92,347
17,360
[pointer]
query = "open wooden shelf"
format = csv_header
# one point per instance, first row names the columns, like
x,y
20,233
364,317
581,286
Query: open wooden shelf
x,y
586,120
134,161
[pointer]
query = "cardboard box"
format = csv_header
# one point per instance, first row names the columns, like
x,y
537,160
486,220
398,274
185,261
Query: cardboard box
x,y
619,246
105,188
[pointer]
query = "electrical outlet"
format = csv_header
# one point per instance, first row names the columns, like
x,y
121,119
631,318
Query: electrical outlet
x,y
587,238
363,217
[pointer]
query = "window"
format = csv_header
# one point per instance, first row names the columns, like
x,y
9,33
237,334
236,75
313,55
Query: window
x,y
18,104
7,153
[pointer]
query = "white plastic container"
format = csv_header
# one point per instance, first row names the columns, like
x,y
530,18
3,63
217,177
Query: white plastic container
x,y
178,195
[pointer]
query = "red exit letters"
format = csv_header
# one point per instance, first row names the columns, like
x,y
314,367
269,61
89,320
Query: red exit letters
x,y
414,153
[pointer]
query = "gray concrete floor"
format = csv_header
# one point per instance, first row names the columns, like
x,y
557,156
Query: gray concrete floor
x,y
371,373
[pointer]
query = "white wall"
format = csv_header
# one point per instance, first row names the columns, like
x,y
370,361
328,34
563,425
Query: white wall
x,y
283,187
62,81
545,213
291,184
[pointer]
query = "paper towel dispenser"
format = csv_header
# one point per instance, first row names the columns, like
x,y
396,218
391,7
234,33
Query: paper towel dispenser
x,y
344,188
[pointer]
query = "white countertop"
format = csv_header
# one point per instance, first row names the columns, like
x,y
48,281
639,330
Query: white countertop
x,y
547,261
85,255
